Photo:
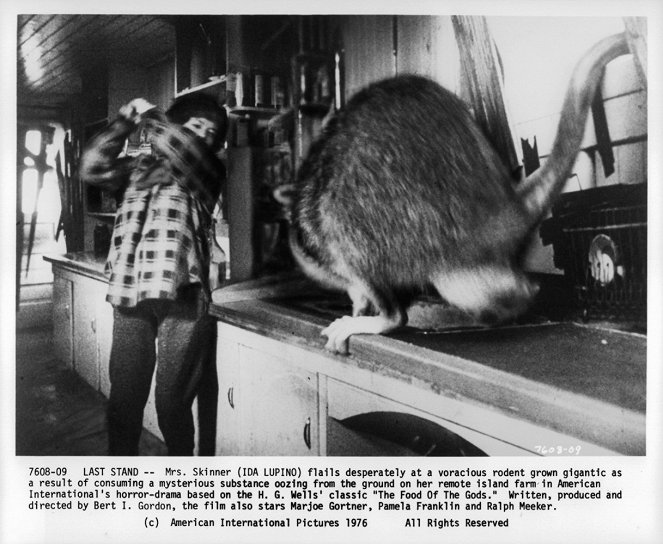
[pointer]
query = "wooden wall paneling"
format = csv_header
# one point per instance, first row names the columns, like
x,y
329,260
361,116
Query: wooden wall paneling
x,y
235,54
426,46
368,56
125,82
94,102
161,83
183,48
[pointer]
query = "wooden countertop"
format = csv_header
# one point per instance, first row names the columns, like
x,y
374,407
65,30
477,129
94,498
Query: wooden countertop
x,y
84,263
580,380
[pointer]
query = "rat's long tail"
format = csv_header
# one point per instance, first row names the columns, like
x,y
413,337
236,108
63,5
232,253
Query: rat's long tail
x,y
541,188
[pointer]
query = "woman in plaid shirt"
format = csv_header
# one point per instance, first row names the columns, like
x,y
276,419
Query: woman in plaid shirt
x,y
158,264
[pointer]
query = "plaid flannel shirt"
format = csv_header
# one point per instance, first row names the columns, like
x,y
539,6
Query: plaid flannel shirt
x,y
160,238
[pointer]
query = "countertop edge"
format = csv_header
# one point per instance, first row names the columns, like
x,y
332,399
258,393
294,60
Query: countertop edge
x,y
83,263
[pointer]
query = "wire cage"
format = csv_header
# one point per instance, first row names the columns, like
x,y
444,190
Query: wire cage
x,y
600,241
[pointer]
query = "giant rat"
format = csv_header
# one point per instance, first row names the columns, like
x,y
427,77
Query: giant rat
x,y
402,190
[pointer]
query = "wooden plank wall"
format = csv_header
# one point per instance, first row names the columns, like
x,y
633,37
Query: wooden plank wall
x,y
426,46
381,46
161,83
125,82
369,53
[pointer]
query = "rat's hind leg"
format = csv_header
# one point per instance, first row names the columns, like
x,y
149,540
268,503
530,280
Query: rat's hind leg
x,y
389,316
492,294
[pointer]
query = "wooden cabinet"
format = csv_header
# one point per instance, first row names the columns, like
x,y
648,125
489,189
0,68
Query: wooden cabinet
x,y
229,429
63,319
268,405
82,325
88,296
280,395
269,387
83,332
279,399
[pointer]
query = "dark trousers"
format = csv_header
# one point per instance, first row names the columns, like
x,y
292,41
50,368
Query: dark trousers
x,y
185,342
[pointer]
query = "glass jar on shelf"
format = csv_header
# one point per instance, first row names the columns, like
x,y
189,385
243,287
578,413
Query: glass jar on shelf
x,y
314,82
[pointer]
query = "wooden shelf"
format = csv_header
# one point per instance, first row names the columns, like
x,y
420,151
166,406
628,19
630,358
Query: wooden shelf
x,y
102,215
263,113
203,87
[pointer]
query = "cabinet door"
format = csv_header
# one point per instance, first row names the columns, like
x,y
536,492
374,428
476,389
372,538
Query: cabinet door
x,y
62,319
279,406
86,357
228,428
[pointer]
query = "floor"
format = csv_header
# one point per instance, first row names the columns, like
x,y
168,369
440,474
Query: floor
x,y
57,413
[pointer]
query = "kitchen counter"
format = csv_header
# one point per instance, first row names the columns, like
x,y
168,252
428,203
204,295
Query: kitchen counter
x,y
583,381
580,380
84,263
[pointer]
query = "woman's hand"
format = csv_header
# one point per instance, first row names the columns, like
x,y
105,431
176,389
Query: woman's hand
x,y
135,109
